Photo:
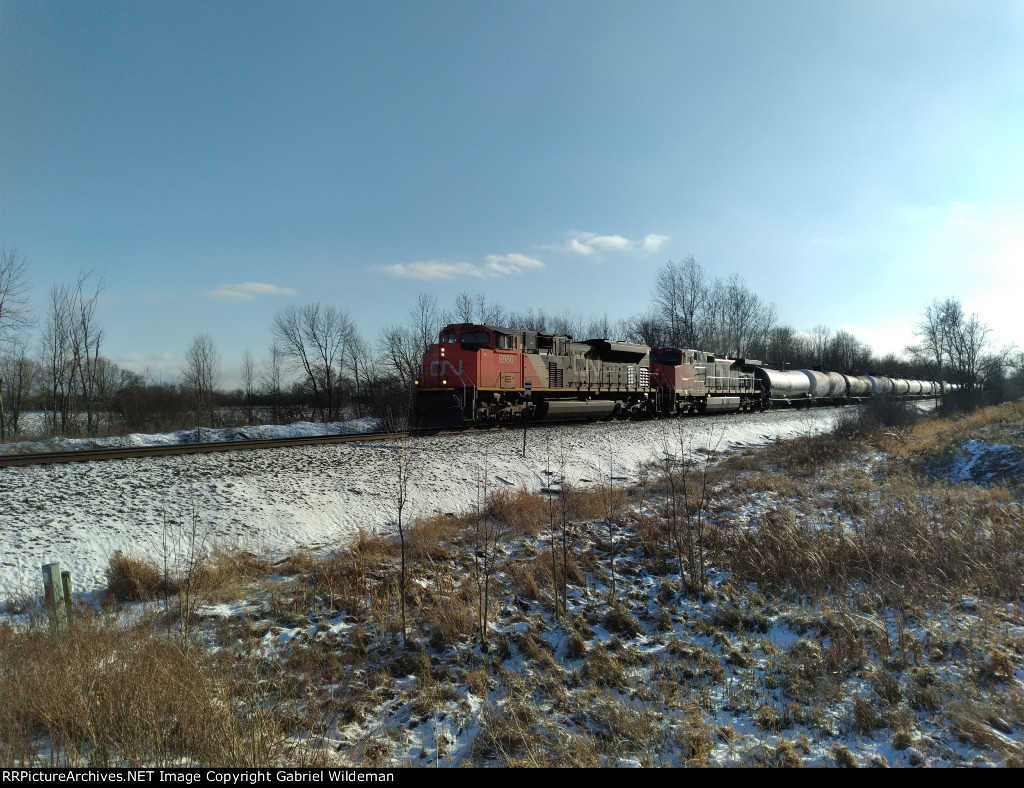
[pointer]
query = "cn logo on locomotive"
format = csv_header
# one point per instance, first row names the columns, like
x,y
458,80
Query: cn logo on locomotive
x,y
437,368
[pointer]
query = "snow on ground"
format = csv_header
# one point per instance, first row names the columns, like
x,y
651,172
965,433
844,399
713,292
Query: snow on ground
x,y
275,500
196,435
984,463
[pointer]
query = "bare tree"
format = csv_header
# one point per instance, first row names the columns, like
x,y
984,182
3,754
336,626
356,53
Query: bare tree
x,y
248,384
933,331
424,319
317,339
400,353
958,347
485,539
14,315
360,363
609,494
477,309
464,309
785,349
680,299
272,379
646,329
740,321
403,468
490,311
567,323
552,533
847,353
819,340
57,353
599,328
18,372
86,338
201,374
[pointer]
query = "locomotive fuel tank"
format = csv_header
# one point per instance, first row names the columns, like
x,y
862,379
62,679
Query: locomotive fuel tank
x,y
721,404
573,410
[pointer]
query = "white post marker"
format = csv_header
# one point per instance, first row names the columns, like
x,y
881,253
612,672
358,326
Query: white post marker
x,y
53,586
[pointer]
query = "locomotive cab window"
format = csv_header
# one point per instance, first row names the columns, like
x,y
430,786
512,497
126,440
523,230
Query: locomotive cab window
x,y
670,359
449,338
506,342
474,340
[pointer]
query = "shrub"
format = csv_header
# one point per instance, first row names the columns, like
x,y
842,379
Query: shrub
x,y
843,757
622,622
523,512
124,695
132,579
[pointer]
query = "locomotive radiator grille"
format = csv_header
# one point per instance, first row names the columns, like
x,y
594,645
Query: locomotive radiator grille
x,y
645,378
555,373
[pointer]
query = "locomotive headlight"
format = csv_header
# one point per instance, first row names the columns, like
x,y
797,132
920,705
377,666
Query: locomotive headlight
x,y
444,382
442,352
415,383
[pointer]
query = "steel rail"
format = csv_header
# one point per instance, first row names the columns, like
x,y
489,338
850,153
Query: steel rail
x,y
133,452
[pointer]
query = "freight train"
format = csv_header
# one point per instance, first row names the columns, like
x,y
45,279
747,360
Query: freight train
x,y
484,375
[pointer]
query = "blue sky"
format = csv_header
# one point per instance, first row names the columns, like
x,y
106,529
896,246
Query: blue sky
x,y
217,161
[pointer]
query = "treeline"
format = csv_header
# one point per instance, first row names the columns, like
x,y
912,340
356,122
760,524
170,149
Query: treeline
x,y
319,366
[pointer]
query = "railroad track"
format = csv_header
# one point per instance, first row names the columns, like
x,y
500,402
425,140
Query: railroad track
x,y
130,452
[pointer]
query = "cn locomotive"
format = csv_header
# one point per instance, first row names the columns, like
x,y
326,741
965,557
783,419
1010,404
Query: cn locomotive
x,y
485,375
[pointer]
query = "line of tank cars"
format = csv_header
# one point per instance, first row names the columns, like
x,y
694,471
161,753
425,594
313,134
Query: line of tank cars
x,y
483,375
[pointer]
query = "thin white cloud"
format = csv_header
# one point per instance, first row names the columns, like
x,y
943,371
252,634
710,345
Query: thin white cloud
x,y
494,265
592,243
247,291
501,264
652,242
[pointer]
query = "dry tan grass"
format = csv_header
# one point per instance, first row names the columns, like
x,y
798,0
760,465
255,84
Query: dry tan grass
x,y
300,561
934,434
131,579
432,538
586,505
925,540
445,611
842,756
217,577
523,512
227,574
121,695
766,481
910,545
988,725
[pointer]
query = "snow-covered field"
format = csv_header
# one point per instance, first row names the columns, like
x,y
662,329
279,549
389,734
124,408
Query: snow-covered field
x,y
302,429
278,499
734,675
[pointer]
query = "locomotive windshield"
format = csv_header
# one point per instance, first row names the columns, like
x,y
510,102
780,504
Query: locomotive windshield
x,y
473,340
449,338
672,359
